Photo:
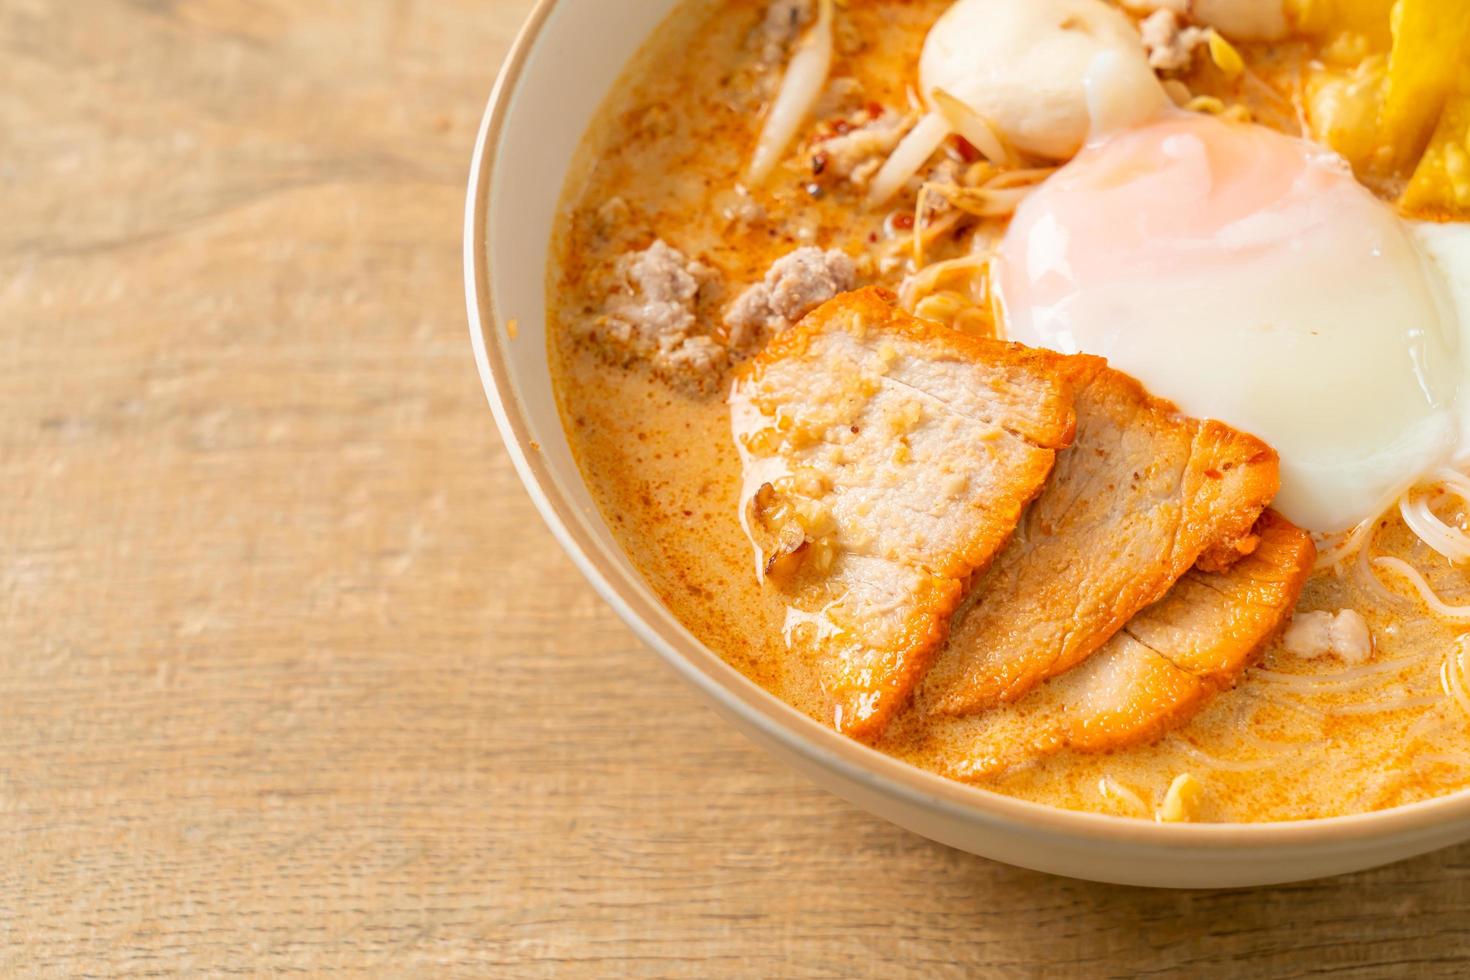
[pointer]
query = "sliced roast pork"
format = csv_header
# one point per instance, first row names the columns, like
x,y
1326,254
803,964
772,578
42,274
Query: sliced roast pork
x,y
1142,495
1152,676
886,460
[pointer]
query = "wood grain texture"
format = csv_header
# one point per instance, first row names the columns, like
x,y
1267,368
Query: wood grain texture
x,y
292,680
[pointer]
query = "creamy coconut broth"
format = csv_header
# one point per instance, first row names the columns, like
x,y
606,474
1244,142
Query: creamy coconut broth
x,y
1297,737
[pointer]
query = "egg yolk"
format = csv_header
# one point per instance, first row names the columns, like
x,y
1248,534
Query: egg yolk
x,y
1247,277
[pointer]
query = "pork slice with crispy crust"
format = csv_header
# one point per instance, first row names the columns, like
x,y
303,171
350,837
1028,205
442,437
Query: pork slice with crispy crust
x,y
1151,677
1197,640
886,460
1142,495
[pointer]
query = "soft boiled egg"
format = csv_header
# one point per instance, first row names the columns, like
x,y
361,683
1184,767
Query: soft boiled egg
x,y
1246,276
1018,73
1022,66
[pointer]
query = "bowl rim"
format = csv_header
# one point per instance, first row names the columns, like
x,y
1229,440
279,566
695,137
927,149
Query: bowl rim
x,y
703,668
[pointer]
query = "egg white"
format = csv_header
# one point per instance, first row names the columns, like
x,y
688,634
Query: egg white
x,y
1290,303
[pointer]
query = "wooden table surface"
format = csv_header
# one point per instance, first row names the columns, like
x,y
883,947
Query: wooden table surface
x,y
292,678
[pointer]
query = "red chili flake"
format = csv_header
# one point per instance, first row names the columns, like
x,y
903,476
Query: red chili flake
x,y
872,237
966,149
874,109
904,221
1213,474
842,127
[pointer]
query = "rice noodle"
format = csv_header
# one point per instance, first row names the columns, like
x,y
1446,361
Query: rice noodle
x,y
1459,614
1283,747
1359,544
1360,538
983,192
1366,579
1281,702
1455,481
1349,545
1454,676
916,287
1380,707
1111,789
927,231
1429,722
806,75
921,203
982,202
1341,681
1416,508
1023,177
1223,765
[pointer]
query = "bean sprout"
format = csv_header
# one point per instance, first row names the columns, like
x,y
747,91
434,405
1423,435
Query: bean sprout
x,y
806,73
977,130
908,158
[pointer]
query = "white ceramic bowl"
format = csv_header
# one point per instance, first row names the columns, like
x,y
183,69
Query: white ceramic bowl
x,y
567,58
